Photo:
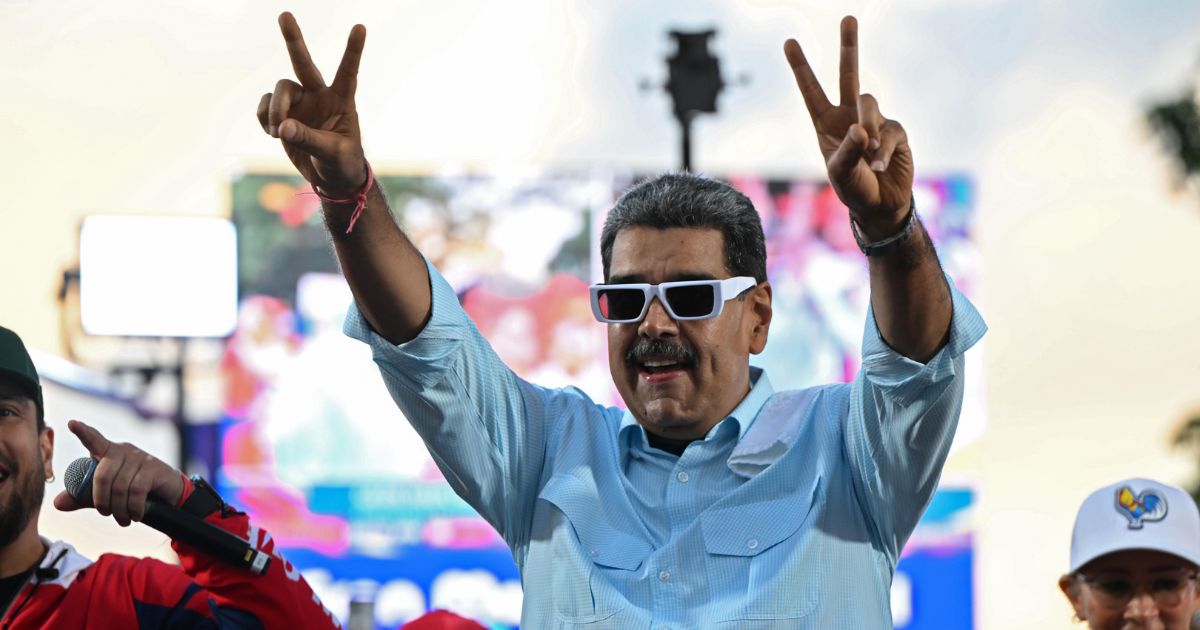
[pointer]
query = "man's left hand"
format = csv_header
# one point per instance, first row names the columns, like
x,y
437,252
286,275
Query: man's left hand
x,y
868,158
125,476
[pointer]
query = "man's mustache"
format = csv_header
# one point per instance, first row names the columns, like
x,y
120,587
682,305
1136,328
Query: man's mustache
x,y
646,349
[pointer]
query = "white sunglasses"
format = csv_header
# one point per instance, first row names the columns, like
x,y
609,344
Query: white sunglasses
x,y
683,300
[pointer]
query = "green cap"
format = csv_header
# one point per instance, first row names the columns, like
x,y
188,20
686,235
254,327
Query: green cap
x,y
17,367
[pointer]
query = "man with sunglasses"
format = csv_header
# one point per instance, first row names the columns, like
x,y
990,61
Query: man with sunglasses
x,y
713,499
1135,551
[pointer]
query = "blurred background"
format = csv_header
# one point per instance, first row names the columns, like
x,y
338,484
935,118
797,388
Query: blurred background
x,y
1052,141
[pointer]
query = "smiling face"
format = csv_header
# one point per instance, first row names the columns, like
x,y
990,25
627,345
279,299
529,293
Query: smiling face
x,y
25,462
1093,589
678,379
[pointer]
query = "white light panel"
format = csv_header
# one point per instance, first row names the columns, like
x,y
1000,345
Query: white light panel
x,y
158,276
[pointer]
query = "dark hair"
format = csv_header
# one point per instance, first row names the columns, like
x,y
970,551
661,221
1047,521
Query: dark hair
x,y
690,201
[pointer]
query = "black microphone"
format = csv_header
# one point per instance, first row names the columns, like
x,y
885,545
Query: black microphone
x,y
177,524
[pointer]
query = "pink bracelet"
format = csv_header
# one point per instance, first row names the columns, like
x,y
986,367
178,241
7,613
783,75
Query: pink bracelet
x,y
359,200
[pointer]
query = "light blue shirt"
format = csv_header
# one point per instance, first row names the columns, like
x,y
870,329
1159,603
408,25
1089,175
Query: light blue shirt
x,y
790,513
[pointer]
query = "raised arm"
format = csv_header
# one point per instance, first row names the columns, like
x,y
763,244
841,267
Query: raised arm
x,y
485,428
317,124
870,166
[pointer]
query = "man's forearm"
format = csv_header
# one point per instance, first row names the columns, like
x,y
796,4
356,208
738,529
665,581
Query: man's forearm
x,y
910,298
386,272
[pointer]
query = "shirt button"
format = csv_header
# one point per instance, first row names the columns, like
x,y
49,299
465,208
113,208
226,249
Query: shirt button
x,y
663,576
682,477
752,543
595,552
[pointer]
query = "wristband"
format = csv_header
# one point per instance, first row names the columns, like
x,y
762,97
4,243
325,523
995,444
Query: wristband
x,y
891,243
359,200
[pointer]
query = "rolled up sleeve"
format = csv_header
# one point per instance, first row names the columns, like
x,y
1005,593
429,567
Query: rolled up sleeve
x,y
901,423
467,406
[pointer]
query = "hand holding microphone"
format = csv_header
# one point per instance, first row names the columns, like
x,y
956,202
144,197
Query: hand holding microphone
x,y
132,485
124,477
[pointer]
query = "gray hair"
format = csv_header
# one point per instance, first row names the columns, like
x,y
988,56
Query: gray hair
x,y
690,201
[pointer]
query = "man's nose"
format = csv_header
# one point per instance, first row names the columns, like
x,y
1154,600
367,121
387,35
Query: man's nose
x,y
658,322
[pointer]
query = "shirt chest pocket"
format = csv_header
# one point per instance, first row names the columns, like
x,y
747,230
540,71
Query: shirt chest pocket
x,y
763,549
596,559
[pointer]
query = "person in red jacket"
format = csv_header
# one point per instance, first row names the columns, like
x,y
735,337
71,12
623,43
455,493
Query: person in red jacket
x,y
47,584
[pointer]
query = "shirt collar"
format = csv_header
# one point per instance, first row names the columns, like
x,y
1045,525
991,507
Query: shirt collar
x,y
744,414
747,410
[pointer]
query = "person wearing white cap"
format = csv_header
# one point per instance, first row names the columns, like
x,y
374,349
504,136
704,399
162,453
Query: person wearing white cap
x,y
1135,553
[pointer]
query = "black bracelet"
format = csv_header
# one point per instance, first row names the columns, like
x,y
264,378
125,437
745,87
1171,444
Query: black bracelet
x,y
891,243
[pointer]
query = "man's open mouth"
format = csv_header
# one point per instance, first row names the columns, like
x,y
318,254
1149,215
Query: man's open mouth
x,y
660,360
660,366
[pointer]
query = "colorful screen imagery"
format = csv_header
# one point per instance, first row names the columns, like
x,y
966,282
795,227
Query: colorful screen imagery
x,y
314,449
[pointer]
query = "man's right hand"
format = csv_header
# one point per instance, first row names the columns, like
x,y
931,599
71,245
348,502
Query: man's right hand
x,y
125,477
318,123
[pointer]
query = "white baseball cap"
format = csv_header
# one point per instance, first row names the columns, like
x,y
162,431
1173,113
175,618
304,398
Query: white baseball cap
x,y
1136,514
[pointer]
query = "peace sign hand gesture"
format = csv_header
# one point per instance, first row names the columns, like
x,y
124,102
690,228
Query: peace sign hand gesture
x,y
318,124
868,158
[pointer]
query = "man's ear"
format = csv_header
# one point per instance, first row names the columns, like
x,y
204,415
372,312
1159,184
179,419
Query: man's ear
x,y
758,316
46,445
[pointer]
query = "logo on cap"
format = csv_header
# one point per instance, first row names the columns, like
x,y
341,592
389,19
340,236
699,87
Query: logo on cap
x,y
1146,507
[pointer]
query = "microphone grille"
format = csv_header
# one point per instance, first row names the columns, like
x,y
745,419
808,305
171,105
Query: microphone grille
x,y
78,479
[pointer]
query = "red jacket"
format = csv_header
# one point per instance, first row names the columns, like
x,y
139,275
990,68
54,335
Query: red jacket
x,y
68,591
